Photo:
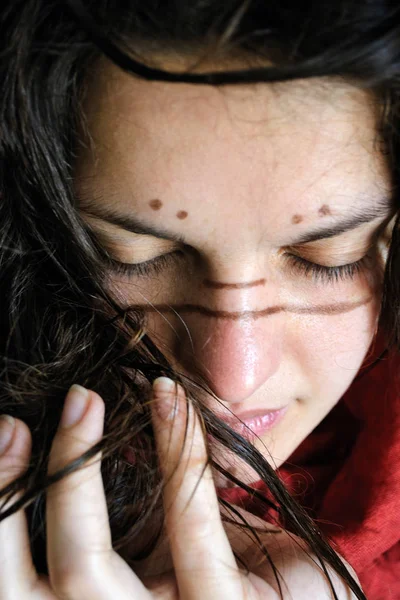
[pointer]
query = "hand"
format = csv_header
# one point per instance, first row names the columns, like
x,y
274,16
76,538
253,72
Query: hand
x,y
82,563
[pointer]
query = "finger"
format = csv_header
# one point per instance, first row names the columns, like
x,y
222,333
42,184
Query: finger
x,y
78,531
18,576
81,560
200,548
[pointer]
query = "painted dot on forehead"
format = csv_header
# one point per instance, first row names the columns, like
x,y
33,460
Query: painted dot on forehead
x,y
324,210
155,204
297,219
182,214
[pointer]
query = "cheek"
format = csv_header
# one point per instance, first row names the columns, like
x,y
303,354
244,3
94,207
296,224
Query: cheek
x,y
331,349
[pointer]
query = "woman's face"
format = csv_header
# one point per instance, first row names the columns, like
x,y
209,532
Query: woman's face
x,y
220,201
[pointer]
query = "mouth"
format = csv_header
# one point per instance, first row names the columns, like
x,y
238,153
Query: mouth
x,y
255,423
251,424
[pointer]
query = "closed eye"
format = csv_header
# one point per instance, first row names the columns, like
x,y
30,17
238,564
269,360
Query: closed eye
x,y
148,268
318,273
323,274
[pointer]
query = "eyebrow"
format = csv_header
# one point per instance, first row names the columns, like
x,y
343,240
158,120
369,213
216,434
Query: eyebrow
x,y
128,222
383,208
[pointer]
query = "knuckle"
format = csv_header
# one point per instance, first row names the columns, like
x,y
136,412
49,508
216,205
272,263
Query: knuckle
x,y
67,438
15,459
12,467
65,449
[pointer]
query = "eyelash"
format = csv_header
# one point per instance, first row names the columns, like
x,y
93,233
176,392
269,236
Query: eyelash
x,y
318,273
145,269
323,274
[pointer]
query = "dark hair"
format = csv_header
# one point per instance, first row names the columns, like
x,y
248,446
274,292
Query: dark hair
x,y
59,324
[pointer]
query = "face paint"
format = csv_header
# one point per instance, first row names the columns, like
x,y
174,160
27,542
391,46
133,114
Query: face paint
x,y
324,211
337,308
155,204
297,219
217,285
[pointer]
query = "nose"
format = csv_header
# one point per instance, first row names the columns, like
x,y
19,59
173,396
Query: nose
x,y
235,355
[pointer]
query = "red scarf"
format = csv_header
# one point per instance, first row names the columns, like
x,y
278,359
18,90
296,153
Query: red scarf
x,y
346,473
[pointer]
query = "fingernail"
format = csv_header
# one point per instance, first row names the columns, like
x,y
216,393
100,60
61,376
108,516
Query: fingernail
x,y
166,402
7,426
75,406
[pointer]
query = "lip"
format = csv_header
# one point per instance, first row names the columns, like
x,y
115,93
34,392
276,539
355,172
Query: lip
x,y
255,422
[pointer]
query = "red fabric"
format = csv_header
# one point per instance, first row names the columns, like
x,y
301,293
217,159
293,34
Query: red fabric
x,y
346,473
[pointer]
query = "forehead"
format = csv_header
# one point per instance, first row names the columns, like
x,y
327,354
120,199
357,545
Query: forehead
x,y
295,145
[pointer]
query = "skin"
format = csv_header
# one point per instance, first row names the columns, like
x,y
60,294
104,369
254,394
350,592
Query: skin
x,y
237,173
240,172
80,556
